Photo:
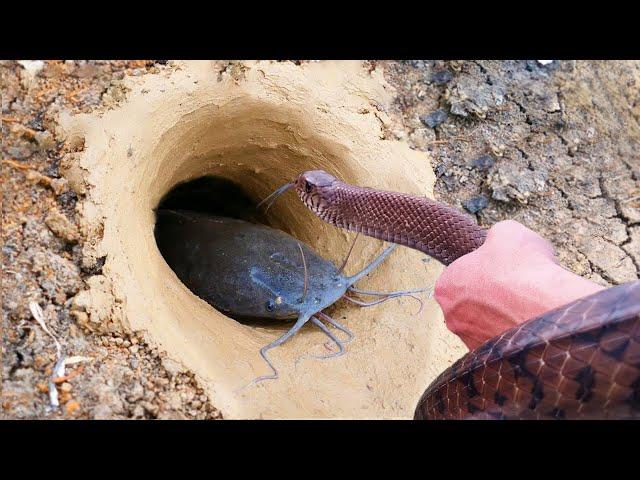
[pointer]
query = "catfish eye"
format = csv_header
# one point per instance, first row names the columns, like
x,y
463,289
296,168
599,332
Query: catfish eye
x,y
308,187
270,305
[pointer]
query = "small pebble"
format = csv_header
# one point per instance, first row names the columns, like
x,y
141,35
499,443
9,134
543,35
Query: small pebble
x,y
434,119
172,367
61,226
73,331
133,349
72,406
476,204
136,392
138,411
483,162
442,77
150,407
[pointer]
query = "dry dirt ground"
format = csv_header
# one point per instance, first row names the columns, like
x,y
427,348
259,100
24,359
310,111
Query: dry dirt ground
x,y
556,147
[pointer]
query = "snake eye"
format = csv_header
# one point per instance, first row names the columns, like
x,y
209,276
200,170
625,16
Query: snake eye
x,y
270,305
308,187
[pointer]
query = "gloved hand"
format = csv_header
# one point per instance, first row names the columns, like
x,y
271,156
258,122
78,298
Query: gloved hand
x,y
511,278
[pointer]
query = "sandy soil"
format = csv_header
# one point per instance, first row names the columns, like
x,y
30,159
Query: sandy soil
x,y
555,147
41,256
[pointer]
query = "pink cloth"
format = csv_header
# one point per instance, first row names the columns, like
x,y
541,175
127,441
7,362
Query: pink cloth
x,y
511,278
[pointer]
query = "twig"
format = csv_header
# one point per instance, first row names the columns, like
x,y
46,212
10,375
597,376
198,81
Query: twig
x,y
43,92
38,314
15,164
58,374
73,95
448,140
70,376
58,369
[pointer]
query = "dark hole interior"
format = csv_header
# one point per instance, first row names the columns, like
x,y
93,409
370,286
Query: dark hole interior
x,y
213,195
210,195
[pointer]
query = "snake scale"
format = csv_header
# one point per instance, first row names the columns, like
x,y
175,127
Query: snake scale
x,y
581,360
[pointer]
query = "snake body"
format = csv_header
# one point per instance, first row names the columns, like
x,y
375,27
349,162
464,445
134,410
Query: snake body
x,y
432,227
581,360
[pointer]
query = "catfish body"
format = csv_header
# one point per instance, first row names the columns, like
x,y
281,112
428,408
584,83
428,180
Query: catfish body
x,y
246,270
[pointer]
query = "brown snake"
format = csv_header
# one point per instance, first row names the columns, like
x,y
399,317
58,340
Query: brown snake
x,y
581,360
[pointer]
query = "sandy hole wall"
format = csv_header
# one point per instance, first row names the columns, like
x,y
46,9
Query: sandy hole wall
x,y
257,124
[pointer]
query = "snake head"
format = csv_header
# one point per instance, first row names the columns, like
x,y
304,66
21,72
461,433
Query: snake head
x,y
314,189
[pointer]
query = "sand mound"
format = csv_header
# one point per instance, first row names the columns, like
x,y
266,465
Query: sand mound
x,y
256,124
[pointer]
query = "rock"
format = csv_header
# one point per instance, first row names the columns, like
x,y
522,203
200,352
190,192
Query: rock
x,y
32,67
172,367
103,412
58,185
421,138
484,162
474,97
434,119
150,408
511,183
442,77
610,259
173,401
136,392
138,412
551,103
105,315
171,415
62,227
58,277
86,70
45,140
476,204
71,407
630,212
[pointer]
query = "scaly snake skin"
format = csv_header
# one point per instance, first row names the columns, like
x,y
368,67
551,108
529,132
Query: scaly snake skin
x,y
581,360
416,222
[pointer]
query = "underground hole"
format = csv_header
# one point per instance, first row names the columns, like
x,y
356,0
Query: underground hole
x,y
213,195
259,131
205,198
